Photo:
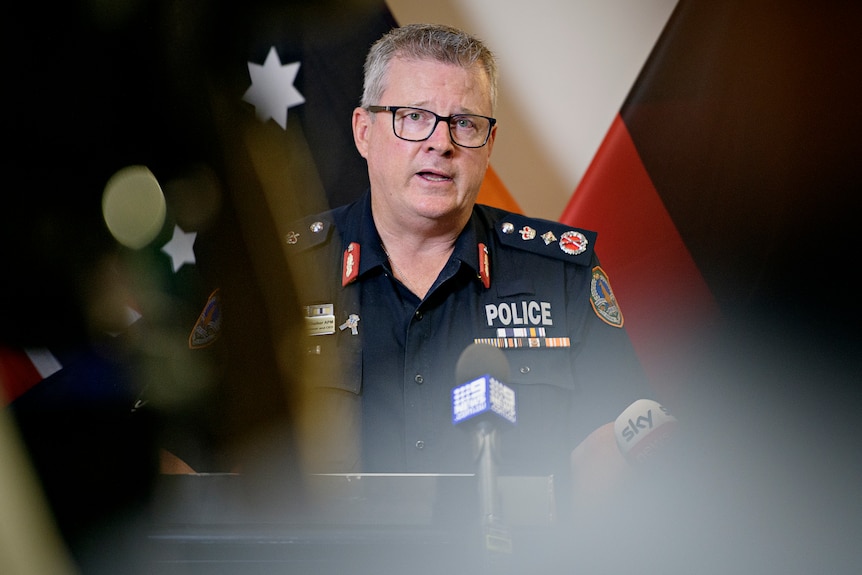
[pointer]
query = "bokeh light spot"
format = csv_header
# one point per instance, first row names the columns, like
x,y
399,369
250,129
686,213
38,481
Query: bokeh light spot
x,y
133,206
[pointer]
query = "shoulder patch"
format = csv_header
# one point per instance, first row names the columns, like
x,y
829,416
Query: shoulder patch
x,y
208,326
308,232
547,238
603,300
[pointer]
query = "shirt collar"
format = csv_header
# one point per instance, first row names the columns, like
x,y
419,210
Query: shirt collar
x,y
359,228
467,244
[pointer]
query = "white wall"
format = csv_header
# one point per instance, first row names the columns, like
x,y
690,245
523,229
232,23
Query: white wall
x,y
566,66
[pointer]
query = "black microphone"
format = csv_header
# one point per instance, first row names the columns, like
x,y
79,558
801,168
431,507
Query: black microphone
x,y
480,401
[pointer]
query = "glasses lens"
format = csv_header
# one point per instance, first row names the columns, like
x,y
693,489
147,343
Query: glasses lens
x,y
417,124
469,130
414,123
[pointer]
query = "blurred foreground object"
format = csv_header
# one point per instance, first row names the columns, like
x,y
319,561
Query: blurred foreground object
x,y
29,541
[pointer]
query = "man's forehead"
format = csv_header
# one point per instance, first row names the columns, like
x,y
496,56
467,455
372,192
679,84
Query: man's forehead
x,y
410,68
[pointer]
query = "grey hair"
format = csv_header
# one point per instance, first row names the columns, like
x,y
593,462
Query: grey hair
x,y
426,42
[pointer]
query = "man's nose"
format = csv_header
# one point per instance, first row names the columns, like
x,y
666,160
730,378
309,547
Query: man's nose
x,y
440,137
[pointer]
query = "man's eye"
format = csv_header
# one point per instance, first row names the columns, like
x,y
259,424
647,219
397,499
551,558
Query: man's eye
x,y
464,123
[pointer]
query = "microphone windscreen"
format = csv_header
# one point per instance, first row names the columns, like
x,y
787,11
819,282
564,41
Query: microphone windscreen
x,y
480,359
643,428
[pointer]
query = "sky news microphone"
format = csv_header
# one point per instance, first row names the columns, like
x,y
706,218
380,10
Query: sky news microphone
x,y
643,429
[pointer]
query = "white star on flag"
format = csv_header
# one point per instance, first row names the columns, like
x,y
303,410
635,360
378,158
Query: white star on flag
x,y
271,91
181,248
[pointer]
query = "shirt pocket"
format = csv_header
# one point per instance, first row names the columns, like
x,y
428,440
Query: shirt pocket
x,y
541,366
329,413
540,441
334,364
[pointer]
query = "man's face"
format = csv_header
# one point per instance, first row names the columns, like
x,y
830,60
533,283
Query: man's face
x,y
434,180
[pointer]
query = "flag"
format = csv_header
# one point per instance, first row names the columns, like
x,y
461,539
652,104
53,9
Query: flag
x,y
495,193
726,186
725,195
21,369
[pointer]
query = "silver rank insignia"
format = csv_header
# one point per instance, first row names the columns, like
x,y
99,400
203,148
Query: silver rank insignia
x,y
320,319
527,233
603,300
549,237
573,243
352,323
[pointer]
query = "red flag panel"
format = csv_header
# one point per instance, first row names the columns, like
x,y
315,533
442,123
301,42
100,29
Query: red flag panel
x,y
17,374
660,289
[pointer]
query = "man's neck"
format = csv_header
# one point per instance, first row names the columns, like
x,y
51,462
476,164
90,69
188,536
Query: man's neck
x,y
417,256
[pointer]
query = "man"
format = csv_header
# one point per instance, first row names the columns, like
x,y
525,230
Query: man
x,y
400,282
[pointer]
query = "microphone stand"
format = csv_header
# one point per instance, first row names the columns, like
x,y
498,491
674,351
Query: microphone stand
x,y
496,540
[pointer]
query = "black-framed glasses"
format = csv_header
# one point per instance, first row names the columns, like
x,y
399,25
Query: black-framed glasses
x,y
417,124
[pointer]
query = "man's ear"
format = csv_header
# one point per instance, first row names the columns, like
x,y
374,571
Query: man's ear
x,y
491,139
361,126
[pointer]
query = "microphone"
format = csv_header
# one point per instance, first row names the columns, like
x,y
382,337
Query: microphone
x,y
482,399
643,429
479,376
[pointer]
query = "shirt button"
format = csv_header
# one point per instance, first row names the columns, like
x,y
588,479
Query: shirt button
x,y
524,369
420,444
417,316
419,379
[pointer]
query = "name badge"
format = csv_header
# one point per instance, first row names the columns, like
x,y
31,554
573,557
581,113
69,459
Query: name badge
x,y
320,319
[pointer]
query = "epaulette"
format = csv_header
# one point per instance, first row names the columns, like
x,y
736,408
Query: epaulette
x,y
309,232
547,238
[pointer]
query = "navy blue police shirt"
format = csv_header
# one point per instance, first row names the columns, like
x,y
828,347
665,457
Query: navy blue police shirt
x,y
385,360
